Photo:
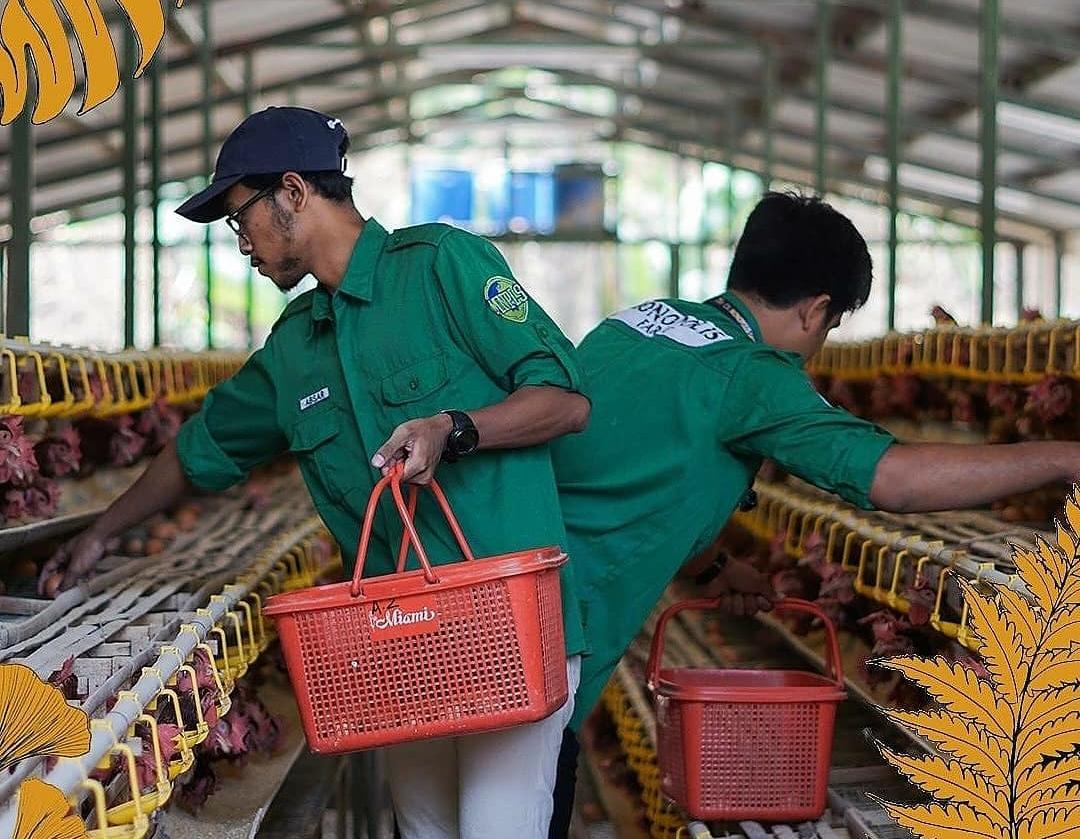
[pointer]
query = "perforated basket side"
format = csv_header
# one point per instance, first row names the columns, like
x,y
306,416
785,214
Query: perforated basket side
x,y
470,666
672,760
552,640
760,758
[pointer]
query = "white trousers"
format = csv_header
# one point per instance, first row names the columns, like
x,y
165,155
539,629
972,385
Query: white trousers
x,y
483,785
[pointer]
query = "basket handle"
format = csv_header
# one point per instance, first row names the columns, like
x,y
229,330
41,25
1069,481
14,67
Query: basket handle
x,y
408,534
406,512
786,604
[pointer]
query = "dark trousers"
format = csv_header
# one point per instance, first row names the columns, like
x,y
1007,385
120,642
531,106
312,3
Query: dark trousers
x,y
565,782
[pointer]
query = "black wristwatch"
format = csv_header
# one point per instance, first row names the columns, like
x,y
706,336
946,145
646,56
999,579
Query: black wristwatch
x,y
463,437
713,571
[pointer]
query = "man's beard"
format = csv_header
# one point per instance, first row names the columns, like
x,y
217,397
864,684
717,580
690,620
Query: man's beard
x,y
290,274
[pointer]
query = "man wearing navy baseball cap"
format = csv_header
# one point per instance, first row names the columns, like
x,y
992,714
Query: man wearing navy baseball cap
x,y
274,150
418,349
271,142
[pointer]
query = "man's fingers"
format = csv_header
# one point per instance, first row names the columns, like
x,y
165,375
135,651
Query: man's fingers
x,y
744,605
411,470
47,571
70,578
54,564
389,452
419,465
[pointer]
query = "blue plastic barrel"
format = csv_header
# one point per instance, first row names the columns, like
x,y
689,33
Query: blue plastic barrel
x,y
579,197
532,202
442,195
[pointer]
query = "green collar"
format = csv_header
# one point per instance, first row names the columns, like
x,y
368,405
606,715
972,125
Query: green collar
x,y
360,273
743,310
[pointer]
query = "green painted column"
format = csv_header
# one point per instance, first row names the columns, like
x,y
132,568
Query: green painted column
x,y
249,280
129,92
989,28
157,75
612,292
17,285
822,58
1021,280
206,56
893,108
732,143
705,233
675,267
767,104
680,186
1059,271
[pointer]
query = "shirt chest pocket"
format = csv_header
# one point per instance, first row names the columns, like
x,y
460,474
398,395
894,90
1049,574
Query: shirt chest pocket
x,y
314,440
417,389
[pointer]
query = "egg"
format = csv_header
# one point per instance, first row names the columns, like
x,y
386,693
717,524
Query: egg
x,y
164,530
52,584
187,519
23,569
1014,512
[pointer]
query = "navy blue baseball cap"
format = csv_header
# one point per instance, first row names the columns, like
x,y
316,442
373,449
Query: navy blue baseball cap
x,y
268,142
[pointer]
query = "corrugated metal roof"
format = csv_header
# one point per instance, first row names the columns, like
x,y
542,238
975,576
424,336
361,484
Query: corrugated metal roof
x,y
680,71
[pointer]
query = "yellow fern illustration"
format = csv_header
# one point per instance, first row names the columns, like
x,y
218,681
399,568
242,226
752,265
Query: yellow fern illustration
x,y
35,719
40,28
1009,745
44,813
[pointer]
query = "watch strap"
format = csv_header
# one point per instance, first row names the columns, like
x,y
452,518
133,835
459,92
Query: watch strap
x,y
713,571
460,422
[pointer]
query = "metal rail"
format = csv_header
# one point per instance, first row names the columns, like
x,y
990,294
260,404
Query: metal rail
x,y
886,553
202,580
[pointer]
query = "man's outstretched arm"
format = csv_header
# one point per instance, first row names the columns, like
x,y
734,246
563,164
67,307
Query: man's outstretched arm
x,y
922,477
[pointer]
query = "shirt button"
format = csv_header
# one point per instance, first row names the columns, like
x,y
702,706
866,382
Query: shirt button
x,y
543,331
414,384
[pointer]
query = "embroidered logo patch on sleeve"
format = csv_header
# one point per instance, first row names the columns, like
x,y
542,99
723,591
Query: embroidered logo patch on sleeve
x,y
507,299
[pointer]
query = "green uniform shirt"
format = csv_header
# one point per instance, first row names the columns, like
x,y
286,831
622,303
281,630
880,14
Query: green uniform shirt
x,y
426,318
685,406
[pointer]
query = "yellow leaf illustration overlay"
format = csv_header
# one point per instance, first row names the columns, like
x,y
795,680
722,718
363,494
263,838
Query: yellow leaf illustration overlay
x,y
35,719
1009,744
949,821
44,813
958,689
957,738
40,28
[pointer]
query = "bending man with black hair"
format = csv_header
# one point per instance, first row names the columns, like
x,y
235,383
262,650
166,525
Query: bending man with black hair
x,y
688,399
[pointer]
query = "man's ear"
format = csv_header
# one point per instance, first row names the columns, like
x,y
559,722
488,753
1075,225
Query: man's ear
x,y
813,312
295,191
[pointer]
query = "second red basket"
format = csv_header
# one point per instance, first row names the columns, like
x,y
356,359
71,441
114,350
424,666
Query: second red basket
x,y
443,650
745,744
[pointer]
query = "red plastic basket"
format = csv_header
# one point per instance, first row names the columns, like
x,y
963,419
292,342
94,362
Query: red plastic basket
x,y
470,646
745,744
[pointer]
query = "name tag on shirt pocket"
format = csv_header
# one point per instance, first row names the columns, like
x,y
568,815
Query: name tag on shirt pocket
x,y
415,381
311,431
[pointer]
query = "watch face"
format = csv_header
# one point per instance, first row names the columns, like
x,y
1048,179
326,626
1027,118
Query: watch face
x,y
465,440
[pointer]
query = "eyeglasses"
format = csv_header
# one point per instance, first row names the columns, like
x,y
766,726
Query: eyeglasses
x,y
233,218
